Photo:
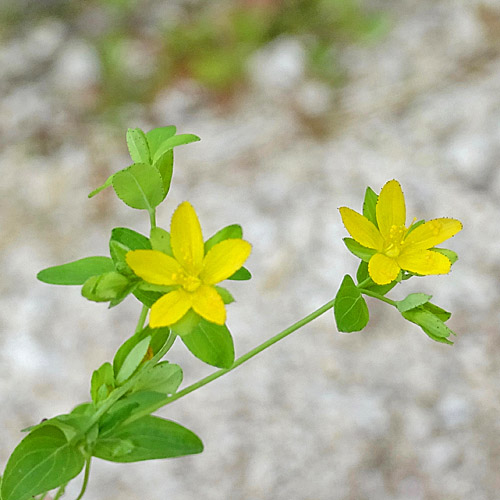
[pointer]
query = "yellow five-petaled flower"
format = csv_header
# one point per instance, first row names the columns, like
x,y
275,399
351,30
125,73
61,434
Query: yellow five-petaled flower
x,y
396,246
192,272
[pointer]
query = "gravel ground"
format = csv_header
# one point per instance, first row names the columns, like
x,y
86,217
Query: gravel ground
x,y
385,414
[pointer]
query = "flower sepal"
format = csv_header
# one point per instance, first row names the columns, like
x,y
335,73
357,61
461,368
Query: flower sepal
x,y
358,250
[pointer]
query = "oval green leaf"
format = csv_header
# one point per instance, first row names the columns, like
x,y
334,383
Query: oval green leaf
x,y
157,136
147,438
138,146
165,378
411,301
351,311
139,186
133,360
43,460
211,343
172,142
76,272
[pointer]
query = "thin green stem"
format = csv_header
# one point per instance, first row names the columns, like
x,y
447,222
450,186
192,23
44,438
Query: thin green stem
x,y
152,218
60,491
250,354
142,319
378,296
365,282
85,478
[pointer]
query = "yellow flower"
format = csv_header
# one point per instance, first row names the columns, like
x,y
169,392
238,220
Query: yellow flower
x,y
193,273
396,246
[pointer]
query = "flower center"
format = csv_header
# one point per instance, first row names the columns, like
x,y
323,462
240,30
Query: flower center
x,y
392,246
188,282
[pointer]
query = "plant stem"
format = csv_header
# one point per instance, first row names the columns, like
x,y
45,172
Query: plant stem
x,y
378,296
85,478
142,319
60,492
365,282
250,354
152,218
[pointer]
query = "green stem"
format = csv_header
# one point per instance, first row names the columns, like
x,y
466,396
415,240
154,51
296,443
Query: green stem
x,y
142,319
152,217
85,478
60,492
238,362
378,296
367,281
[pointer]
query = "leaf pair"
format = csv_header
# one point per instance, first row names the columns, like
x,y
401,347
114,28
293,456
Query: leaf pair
x,y
145,184
46,459
431,318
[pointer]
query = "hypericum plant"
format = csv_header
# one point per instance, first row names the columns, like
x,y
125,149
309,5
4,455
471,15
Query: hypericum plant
x,y
176,275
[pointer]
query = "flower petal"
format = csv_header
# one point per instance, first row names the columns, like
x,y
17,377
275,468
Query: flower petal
x,y
361,229
153,266
432,233
170,308
424,262
383,269
224,259
390,209
186,238
209,304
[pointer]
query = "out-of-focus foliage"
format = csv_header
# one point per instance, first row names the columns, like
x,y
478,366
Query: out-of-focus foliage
x,y
143,46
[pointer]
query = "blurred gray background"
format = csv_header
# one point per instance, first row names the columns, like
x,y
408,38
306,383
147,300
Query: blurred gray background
x,y
300,105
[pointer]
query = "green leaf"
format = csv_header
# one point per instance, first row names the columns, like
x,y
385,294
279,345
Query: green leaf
x,y
121,242
106,287
138,146
165,378
133,360
160,240
351,311
186,324
157,136
147,438
102,187
146,297
233,231
242,274
130,239
102,383
127,407
225,294
430,323
172,142
43,460
359,250
437,311
71,424
165,165
411,301
447,253
211,343
158,338
76,272
369,205
139,186
116,415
